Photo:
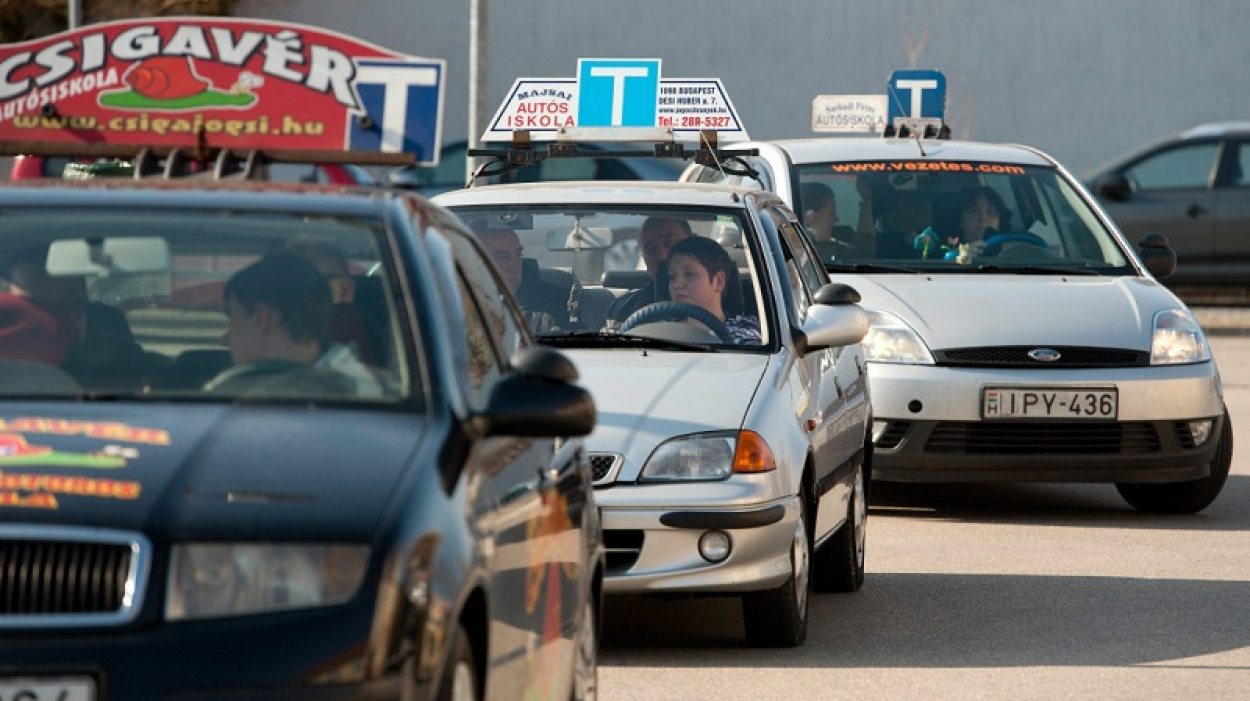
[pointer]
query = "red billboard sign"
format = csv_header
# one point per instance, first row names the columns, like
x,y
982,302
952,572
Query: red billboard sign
x,y
226,83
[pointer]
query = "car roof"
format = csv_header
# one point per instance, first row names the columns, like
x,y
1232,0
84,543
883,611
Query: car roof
x,y
1216,129
819,150
191,193
631,192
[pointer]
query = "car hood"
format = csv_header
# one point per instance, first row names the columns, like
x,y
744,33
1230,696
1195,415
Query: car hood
x,y
969,310
189,471
645,398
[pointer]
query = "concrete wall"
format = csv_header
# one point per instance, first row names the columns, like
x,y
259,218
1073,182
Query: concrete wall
x,y
1081,80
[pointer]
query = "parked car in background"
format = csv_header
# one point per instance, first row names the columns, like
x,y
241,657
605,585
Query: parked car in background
x,y
1193,188
1036,348
450,173
32,166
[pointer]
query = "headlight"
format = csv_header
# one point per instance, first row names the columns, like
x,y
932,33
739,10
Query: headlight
x,y
892,340
222,579
708,456
1177,339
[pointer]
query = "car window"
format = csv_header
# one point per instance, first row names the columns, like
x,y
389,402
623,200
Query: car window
x,y
156,303
1240,176
1188,166
491,296
583,269
954,217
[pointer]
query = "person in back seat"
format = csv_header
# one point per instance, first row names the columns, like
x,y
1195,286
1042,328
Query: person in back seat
x,y
656,237
548,307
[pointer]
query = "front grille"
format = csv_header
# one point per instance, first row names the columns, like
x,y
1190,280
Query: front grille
x,y
1018,357
622,548
52,576
1010,438
601,466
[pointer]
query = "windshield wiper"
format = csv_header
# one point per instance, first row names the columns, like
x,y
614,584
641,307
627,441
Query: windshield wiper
x,y
581,339
866,268
1035,270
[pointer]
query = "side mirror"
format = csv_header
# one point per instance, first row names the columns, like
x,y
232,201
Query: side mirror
x,y
1157,255
539,399
828,326
1114,187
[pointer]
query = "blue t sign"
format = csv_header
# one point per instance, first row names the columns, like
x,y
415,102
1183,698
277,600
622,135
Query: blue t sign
x,y
617,92
916,95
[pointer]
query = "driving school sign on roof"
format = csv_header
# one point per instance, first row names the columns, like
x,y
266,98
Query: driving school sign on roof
x,y
616,93
234,83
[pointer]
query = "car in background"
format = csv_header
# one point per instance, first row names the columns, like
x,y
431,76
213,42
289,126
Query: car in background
x,y
723,465
410,517
1192,187
1054,355
450,173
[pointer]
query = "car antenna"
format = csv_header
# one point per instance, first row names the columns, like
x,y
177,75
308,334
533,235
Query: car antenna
x,y
909,132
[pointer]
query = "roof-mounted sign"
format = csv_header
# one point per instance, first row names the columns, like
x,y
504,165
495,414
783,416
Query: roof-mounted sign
x,y
842,113
620,95
240,84
917,99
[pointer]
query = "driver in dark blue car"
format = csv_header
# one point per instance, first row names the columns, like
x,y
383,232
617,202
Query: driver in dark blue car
x,y
279,310
700,272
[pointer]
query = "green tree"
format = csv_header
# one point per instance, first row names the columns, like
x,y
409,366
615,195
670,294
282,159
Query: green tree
x,y
21,20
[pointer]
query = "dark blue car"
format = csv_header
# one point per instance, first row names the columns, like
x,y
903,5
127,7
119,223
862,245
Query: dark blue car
x,y
223,476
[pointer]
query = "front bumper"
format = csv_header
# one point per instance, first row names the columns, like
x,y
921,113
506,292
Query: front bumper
x,y
655,550
930,427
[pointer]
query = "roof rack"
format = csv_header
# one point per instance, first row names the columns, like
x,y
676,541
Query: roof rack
x,y
522,152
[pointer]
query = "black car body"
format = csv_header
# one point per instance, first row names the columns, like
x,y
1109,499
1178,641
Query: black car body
x,y
1194,189
437,536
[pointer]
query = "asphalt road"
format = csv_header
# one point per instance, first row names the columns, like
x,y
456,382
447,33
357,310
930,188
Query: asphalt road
x,y
989,592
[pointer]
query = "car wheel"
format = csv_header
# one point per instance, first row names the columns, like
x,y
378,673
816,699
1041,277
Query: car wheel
x,y
459,681
778,617
586,666
839,565
1185,497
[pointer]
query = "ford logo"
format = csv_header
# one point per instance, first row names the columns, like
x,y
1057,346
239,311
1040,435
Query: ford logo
x,y
1044,355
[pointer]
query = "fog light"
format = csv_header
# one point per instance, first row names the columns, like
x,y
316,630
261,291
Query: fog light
x,y
1201,431
714,546
878,428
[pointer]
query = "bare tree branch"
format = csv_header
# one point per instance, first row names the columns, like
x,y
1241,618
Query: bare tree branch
x,y
21,20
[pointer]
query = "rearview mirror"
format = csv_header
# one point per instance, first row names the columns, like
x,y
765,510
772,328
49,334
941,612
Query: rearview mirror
x,y
1114,187
1157,255
580,238
101,257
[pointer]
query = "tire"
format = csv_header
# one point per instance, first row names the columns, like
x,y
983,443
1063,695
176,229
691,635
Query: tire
x,y
1185,497
838,566
586,662
459,682
778,617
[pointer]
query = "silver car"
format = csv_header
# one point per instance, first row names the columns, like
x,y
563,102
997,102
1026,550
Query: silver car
x,y
1016,335
733,449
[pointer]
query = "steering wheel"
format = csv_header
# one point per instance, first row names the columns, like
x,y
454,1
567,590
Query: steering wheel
x,y
677,311
242,376
994,244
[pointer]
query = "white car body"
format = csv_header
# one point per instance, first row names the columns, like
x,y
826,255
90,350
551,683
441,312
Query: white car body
x,y
978,324
804,391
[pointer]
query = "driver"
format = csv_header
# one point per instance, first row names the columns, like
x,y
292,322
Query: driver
x,y
701,273
656,236
279,310
979,213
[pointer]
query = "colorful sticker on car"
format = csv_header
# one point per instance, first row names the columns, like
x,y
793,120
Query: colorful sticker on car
x,y
39,491
107,430
221,83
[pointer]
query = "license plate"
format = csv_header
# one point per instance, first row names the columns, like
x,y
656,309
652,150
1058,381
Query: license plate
x,y
1097,403
47,689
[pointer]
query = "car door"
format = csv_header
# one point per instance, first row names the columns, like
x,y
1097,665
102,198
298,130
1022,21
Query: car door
x,y
538,492
1172,195
1232,212
817,372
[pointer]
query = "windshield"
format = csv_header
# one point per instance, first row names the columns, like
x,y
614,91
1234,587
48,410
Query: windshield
x,y
686,278
110,303
954,217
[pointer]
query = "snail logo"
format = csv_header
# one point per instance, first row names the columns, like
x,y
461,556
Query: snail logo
x,y
171,83
14,450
